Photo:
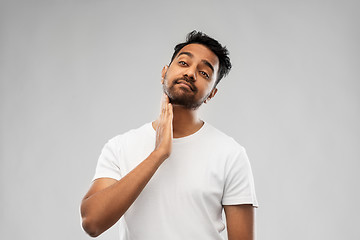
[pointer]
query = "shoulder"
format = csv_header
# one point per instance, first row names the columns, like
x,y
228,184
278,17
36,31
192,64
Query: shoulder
x,y
131,135
226,142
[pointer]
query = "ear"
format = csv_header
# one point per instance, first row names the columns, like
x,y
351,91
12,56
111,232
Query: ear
x,y
211,95
163,73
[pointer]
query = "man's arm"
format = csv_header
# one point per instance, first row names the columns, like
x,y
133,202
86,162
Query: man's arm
x,y
107,199
240,221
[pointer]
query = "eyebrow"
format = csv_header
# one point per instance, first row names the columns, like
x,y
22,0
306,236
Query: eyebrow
x,y
204,61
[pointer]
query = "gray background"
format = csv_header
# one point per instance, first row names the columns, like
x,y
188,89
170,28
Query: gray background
x,y
76,73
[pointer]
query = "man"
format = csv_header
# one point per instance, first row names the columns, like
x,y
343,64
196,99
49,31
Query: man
x,y
171,179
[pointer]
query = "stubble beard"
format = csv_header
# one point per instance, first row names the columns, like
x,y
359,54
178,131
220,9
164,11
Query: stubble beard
x,y
182,97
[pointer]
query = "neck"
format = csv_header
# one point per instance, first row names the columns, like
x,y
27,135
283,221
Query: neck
x,y
185,121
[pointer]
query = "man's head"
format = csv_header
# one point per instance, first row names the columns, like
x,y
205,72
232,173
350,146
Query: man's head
x,y
196,67
220,51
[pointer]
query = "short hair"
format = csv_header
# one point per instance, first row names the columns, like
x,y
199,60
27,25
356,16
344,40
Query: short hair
x,y
220,51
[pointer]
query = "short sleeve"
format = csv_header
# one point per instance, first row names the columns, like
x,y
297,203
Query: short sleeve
x,y
108,162
239,182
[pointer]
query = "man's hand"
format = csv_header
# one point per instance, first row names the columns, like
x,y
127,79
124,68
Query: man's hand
x,y
164,128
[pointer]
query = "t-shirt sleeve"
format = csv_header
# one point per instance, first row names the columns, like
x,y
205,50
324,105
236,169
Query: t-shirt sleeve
x,y
239,182
108,162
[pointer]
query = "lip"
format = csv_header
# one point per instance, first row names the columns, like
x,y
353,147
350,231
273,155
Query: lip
x,y
184,83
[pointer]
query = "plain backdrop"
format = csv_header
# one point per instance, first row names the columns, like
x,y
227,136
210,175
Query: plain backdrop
x,y
76,73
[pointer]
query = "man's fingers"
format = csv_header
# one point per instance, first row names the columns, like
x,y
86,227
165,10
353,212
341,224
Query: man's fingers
x,y
162,103
166,108
164,127
166,99
163,106
170,111
166,114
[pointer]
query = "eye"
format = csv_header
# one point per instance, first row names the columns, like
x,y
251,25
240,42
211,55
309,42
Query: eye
x,y
204,74
182,63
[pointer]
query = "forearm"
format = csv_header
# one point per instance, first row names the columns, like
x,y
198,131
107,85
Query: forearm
x,y
240,220
103,209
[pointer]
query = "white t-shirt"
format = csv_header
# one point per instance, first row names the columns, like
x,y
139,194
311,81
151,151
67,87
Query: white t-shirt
x,y
185,197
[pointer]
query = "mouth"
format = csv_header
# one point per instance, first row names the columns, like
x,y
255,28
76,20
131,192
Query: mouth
x,y
185,84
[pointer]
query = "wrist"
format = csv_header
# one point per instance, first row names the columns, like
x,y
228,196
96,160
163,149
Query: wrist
x,y
161,155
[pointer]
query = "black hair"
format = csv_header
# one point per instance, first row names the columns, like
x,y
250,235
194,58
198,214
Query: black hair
x,y
220,51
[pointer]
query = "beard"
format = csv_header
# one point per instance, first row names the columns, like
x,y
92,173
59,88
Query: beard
x,y
181,95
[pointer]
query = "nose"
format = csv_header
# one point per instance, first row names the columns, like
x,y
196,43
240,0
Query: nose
x,y
191,73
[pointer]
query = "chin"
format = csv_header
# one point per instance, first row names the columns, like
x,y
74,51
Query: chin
x,y
182,98
185,103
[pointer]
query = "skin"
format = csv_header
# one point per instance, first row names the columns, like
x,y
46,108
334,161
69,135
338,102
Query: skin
x,y
108,199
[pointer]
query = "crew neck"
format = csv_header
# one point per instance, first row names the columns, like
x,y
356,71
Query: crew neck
x,y
186,138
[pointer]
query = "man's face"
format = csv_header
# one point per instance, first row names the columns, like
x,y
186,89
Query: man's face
x,y
190,78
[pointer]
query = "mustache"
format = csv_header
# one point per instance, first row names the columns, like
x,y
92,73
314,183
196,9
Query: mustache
x,y
191,83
